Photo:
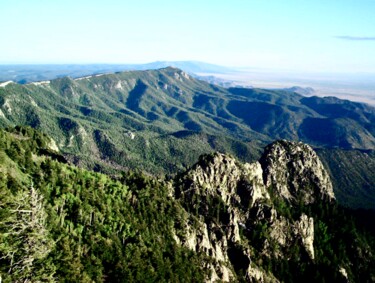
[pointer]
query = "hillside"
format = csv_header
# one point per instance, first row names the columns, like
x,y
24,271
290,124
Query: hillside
x,y
275,220
161,121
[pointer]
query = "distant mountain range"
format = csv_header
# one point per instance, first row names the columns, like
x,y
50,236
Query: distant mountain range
x,y
32,73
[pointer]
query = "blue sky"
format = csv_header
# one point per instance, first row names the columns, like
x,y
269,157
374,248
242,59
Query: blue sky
x,y
299,35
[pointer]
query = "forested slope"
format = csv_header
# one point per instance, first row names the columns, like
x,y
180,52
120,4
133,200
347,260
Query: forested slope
x,y
273,220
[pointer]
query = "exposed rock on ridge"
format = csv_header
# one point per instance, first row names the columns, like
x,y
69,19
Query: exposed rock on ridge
x,y
294,171
227,201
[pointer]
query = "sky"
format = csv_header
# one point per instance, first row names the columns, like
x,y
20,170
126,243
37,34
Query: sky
x,y
298,35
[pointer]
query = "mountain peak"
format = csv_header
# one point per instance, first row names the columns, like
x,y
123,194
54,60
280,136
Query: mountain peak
x,y
221,174
294,171
174,71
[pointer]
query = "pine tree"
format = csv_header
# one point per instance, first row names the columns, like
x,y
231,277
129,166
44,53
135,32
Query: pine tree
x,y
25,241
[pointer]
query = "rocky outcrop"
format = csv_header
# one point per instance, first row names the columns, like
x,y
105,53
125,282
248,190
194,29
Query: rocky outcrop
x,y
304,228
220,190
237,210
52,145
295,173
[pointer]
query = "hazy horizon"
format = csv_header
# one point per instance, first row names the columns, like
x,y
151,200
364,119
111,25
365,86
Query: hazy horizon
x,y
299,36
344,86
327,45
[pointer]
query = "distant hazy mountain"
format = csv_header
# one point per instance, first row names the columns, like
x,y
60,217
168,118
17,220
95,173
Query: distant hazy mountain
x,y
194,67
162,120
301,90
32,73
214,79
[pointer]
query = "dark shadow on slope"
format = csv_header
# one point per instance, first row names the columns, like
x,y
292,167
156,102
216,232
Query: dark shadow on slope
x,y
325,132
135,97
265,118
238,259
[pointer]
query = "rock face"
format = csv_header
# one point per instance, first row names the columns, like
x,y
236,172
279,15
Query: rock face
x,y
236,211
295,172
305,229
222,191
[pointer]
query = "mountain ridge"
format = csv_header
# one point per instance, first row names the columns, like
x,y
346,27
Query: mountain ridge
x,y
274,100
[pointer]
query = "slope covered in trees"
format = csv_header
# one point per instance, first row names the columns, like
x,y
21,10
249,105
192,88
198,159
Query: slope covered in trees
x,y
64,224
